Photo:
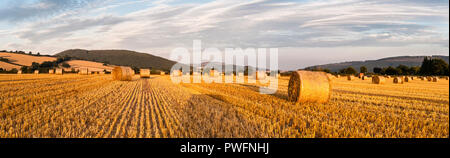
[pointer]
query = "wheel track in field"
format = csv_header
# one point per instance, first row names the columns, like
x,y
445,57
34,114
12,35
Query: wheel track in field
x,y
77,107
124,104
35,112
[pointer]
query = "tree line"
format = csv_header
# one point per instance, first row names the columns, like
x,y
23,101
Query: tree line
x,y
430,67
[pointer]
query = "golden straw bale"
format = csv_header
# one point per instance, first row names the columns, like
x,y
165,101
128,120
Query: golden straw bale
x,y
406,79
261,75
162,73
19,72
36,71
350,77
360,75
145,73
309,86
59,71
102,72
51,71
435,79
398,80
122,73
176,73
84,71
378,80
429,78
446,78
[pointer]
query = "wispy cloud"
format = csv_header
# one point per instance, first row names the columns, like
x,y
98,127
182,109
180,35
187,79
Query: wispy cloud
x,y
157,27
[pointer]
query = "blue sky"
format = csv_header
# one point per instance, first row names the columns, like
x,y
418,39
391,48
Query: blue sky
x,y
306,32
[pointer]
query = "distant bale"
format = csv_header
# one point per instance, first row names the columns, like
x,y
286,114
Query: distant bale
x,y
51,71
176,73
337,76
360,75
19,72
240,74
122,73
350,77
36,71
261,75
162,73
364,77
102,72
406,79
422,78
59,71
309,86
412,78
378,80
435,79
446,78
398,80
144,73
429,78
83,71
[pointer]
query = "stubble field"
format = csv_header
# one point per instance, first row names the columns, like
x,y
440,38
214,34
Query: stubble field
x,y
96,106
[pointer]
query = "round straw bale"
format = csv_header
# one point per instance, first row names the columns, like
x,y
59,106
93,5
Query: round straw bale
x,y
122,73
429,78
59,71
19,72
378,80
145,73
308,86
84,71
36,71
360,75
398,80
446,78
261,75
435,79
162,73
350,77
406,79
102,72
51,71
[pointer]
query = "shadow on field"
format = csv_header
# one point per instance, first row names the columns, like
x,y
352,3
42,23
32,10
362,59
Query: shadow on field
x,y
279,94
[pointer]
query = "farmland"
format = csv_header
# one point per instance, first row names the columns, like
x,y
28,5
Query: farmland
x,y
96,106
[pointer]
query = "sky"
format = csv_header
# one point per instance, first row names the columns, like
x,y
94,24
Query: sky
x,y
306,32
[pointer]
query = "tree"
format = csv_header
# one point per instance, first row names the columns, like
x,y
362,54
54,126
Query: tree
x,y
392,71
349,70
403,70
363,69
34,66
65,65
24,69
433,67
377,70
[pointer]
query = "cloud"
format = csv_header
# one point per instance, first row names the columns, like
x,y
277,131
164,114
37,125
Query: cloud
x,y
163,25
23,10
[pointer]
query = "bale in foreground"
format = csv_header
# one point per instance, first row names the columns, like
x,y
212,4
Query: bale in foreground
x,y
122,73
308,86
378,80
145,73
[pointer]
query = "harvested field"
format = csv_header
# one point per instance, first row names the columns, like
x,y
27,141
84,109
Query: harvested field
x,y
96,106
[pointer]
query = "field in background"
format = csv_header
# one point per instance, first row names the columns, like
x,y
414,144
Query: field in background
x,y
96,106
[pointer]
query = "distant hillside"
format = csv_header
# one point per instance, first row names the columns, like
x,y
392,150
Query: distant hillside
x,y
385,62
120,57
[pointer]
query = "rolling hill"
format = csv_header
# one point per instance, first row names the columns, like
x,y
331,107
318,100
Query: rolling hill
x,y
120,57
25,59
384,62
